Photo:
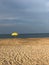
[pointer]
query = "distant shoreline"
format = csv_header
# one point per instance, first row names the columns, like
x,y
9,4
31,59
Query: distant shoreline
x,y
24,41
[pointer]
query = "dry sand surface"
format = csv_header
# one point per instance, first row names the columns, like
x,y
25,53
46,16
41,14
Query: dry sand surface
x,y
31,51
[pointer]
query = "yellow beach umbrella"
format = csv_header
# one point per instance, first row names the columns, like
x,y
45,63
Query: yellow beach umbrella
x,y
14,34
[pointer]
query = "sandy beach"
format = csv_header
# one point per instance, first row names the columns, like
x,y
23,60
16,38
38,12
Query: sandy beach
x,y
27,51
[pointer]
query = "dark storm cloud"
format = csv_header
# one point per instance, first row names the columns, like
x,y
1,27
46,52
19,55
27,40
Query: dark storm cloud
x,y
24,16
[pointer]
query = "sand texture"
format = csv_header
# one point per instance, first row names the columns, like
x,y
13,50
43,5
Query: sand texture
x,y
33,51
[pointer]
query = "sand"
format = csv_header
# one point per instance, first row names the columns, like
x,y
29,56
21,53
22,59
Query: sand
x,y
28,51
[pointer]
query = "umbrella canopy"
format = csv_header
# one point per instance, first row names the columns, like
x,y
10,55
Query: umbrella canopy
x,y
14,34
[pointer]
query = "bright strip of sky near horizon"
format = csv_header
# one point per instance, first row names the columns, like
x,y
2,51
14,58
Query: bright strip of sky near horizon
x,y
24,16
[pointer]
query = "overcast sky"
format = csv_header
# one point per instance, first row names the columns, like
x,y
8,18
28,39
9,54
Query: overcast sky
x,y
24,16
